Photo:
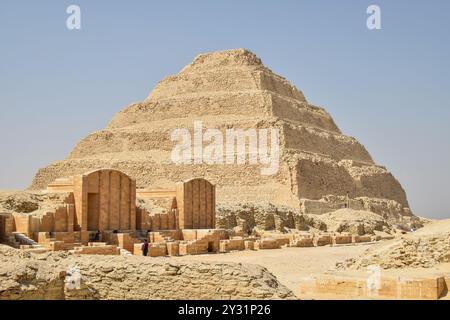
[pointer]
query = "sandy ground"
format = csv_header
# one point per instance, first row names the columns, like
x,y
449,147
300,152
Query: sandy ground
x,y
289,265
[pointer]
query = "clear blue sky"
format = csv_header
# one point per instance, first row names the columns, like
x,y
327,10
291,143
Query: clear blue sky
x,y
388,88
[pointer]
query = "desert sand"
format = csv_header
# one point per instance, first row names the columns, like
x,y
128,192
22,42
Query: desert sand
x,y
289,265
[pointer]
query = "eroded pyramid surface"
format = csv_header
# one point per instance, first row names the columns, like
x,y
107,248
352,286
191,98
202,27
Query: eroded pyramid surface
x,y
233,89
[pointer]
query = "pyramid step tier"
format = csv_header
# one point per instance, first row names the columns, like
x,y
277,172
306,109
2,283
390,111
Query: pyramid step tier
x,y
224,79
251,103
157,135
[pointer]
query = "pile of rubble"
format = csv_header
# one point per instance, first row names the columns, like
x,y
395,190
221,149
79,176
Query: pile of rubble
x,y
64,275
425,248
247,218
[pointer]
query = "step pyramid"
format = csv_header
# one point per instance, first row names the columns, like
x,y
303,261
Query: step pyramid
x,y
223,90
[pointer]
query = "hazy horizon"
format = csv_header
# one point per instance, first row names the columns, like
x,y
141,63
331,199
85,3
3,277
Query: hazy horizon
x,y
389,88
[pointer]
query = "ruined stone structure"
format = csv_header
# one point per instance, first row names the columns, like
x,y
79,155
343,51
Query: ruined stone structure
x,y
105,200
25,276
319,167
194,201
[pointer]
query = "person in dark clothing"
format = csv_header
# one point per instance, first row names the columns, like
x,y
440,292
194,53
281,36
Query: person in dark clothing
x,y
97,236
144,248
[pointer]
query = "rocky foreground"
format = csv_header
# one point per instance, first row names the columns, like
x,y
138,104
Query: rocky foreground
x,y
55,275
425,248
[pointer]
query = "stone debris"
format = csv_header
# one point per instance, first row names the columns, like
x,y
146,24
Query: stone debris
x,y
44,276
424,248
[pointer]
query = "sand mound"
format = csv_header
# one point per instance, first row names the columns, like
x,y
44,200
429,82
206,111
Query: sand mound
x,y
54,275
425,248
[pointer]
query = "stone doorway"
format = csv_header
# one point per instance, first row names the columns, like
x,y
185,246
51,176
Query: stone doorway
x,y
93,212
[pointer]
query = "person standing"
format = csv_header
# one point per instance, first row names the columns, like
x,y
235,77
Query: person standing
x,y
144,248
97,235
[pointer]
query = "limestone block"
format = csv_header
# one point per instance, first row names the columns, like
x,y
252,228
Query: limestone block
x,y
422,288
359,239
302,242
376,238
137,249
199,247
267,243
322,240
22,223
341,239
173,248
101,250
66,237
47,222
97,244
60,219
237,244
9,225
189,234
157,250
201,233
84,237
125,241
183,249
223,246
43,237
249,244
56,245
284,240
390,287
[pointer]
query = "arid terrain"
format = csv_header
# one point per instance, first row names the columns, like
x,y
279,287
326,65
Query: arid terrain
x,y
330,222
289,265
422,254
